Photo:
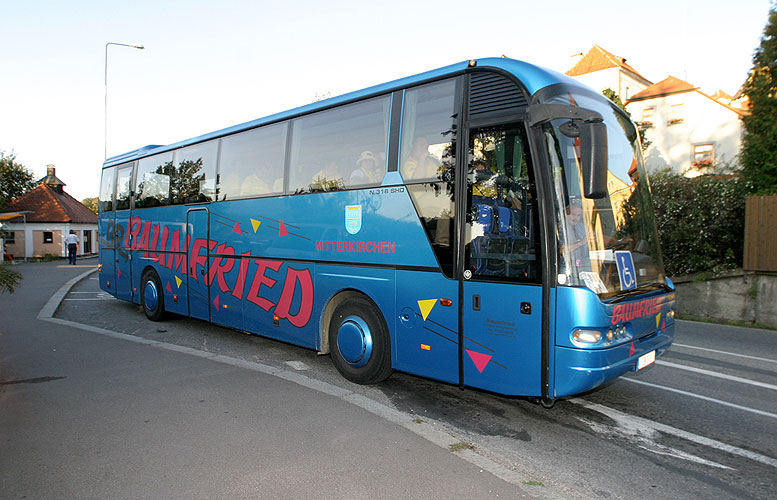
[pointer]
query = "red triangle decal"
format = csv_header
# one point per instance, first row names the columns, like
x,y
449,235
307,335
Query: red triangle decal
x,y
169,288
632,350
216,302
283,230
480,359
237,228
118,271
663,325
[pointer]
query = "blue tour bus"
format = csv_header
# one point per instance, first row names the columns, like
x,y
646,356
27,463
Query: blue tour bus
x,y
487,224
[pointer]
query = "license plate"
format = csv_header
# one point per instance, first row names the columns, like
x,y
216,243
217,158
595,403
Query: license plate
x,y
646,360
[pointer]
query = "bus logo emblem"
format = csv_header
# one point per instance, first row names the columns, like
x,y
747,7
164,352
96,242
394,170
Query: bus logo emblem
x,y
353,218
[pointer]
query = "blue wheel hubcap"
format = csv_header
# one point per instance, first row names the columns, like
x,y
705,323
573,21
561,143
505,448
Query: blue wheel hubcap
x,y
354,341
150,295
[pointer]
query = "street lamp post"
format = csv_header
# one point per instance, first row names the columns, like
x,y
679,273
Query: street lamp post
x,y
106,85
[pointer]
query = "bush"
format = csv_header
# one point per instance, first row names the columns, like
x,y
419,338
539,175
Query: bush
x,y
700,221
9,279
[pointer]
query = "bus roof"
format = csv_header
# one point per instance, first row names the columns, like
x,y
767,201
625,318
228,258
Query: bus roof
x,y
533,78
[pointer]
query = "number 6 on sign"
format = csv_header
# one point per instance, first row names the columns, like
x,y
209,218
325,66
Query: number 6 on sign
x,y
626,274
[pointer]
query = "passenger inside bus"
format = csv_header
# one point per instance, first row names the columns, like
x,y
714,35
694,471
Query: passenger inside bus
x,y
420,164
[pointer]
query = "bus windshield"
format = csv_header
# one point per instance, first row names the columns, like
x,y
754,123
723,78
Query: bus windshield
x,y
608,244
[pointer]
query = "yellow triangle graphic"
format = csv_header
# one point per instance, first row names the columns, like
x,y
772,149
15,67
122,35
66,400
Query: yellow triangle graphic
x,y
178,281
255,223
658,318
426,307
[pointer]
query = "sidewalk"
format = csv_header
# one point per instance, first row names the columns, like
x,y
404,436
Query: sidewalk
x,y
86,414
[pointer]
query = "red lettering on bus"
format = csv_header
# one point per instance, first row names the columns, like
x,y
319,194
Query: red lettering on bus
x,y
282,310
221,265
141,243
198,259
261,279
237,291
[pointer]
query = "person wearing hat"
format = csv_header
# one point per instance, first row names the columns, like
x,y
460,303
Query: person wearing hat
x,y
366,171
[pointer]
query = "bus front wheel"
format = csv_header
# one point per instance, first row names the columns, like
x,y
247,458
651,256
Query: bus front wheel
x,y
359,341
152,296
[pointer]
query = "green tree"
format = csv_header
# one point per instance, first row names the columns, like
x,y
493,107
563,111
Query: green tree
x,y
611,95
15,179
91,203
759,144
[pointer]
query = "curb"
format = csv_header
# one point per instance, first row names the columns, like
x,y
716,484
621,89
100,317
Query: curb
x,y
430,431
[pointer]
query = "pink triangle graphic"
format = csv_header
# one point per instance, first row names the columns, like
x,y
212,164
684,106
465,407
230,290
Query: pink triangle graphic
x,y
283,230
480,359
169,288
237,228
119,272
216,302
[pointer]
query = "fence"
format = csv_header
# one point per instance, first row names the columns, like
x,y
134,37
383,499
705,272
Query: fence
x,y
760,233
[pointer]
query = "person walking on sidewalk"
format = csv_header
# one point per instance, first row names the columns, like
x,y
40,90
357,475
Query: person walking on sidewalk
x,y
72,241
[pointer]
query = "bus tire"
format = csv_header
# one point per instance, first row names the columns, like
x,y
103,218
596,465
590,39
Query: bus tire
x,y
152,296
359,341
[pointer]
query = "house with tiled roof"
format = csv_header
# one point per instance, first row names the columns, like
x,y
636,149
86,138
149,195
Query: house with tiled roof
x,y
600,69
688,129
47,215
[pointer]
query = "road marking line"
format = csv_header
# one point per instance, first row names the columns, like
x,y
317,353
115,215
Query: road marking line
x,y
628,424
717,375
756,358
705,398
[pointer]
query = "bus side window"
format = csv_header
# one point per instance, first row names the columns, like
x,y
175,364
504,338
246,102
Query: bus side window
x,y
153,181
428,126
193,175
251,163
106,190
332,149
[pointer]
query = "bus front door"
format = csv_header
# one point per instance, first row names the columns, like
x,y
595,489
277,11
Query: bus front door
x,y
197,261
501,339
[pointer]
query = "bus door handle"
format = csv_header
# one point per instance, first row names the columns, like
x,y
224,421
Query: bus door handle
x,y
476,302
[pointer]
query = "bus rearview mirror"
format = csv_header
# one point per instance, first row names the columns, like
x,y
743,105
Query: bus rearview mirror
x,y
593,148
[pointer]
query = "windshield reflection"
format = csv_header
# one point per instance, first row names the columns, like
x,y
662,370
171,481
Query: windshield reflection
x,y
609,245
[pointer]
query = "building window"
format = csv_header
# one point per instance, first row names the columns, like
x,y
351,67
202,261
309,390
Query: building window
x,y
647,116
676,113
10,238
48,237
703,155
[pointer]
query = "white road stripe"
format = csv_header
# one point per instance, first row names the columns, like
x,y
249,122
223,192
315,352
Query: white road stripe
x,y
705,398
755,358
630,422
717,375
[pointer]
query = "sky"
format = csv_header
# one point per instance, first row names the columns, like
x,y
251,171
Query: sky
x,y
210,64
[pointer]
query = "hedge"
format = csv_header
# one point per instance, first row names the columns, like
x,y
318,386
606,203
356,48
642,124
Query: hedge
x,y
700,221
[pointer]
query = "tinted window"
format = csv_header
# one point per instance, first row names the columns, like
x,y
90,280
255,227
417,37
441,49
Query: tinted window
x,y
501,237
251,163
153,181
106,190
193,174
340,148
428,128
123,187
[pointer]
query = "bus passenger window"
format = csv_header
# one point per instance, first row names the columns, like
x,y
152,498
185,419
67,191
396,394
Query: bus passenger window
x,y
428,130
153,181
106,190
251,163
193,176
332,150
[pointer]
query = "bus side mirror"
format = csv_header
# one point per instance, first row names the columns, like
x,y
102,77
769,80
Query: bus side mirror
x,y
593,148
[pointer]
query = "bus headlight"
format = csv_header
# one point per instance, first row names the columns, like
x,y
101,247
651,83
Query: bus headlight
x,y
609,335
587,336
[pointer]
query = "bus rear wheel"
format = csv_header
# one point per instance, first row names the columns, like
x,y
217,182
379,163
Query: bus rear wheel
x,y
151,296
359,341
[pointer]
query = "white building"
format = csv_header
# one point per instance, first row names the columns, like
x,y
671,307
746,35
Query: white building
x,y
600,70
688,129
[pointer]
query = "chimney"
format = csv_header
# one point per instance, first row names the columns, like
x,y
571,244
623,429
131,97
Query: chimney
x,y
51,179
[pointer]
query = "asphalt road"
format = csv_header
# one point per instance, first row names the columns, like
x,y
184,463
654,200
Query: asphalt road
x,y
701,423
